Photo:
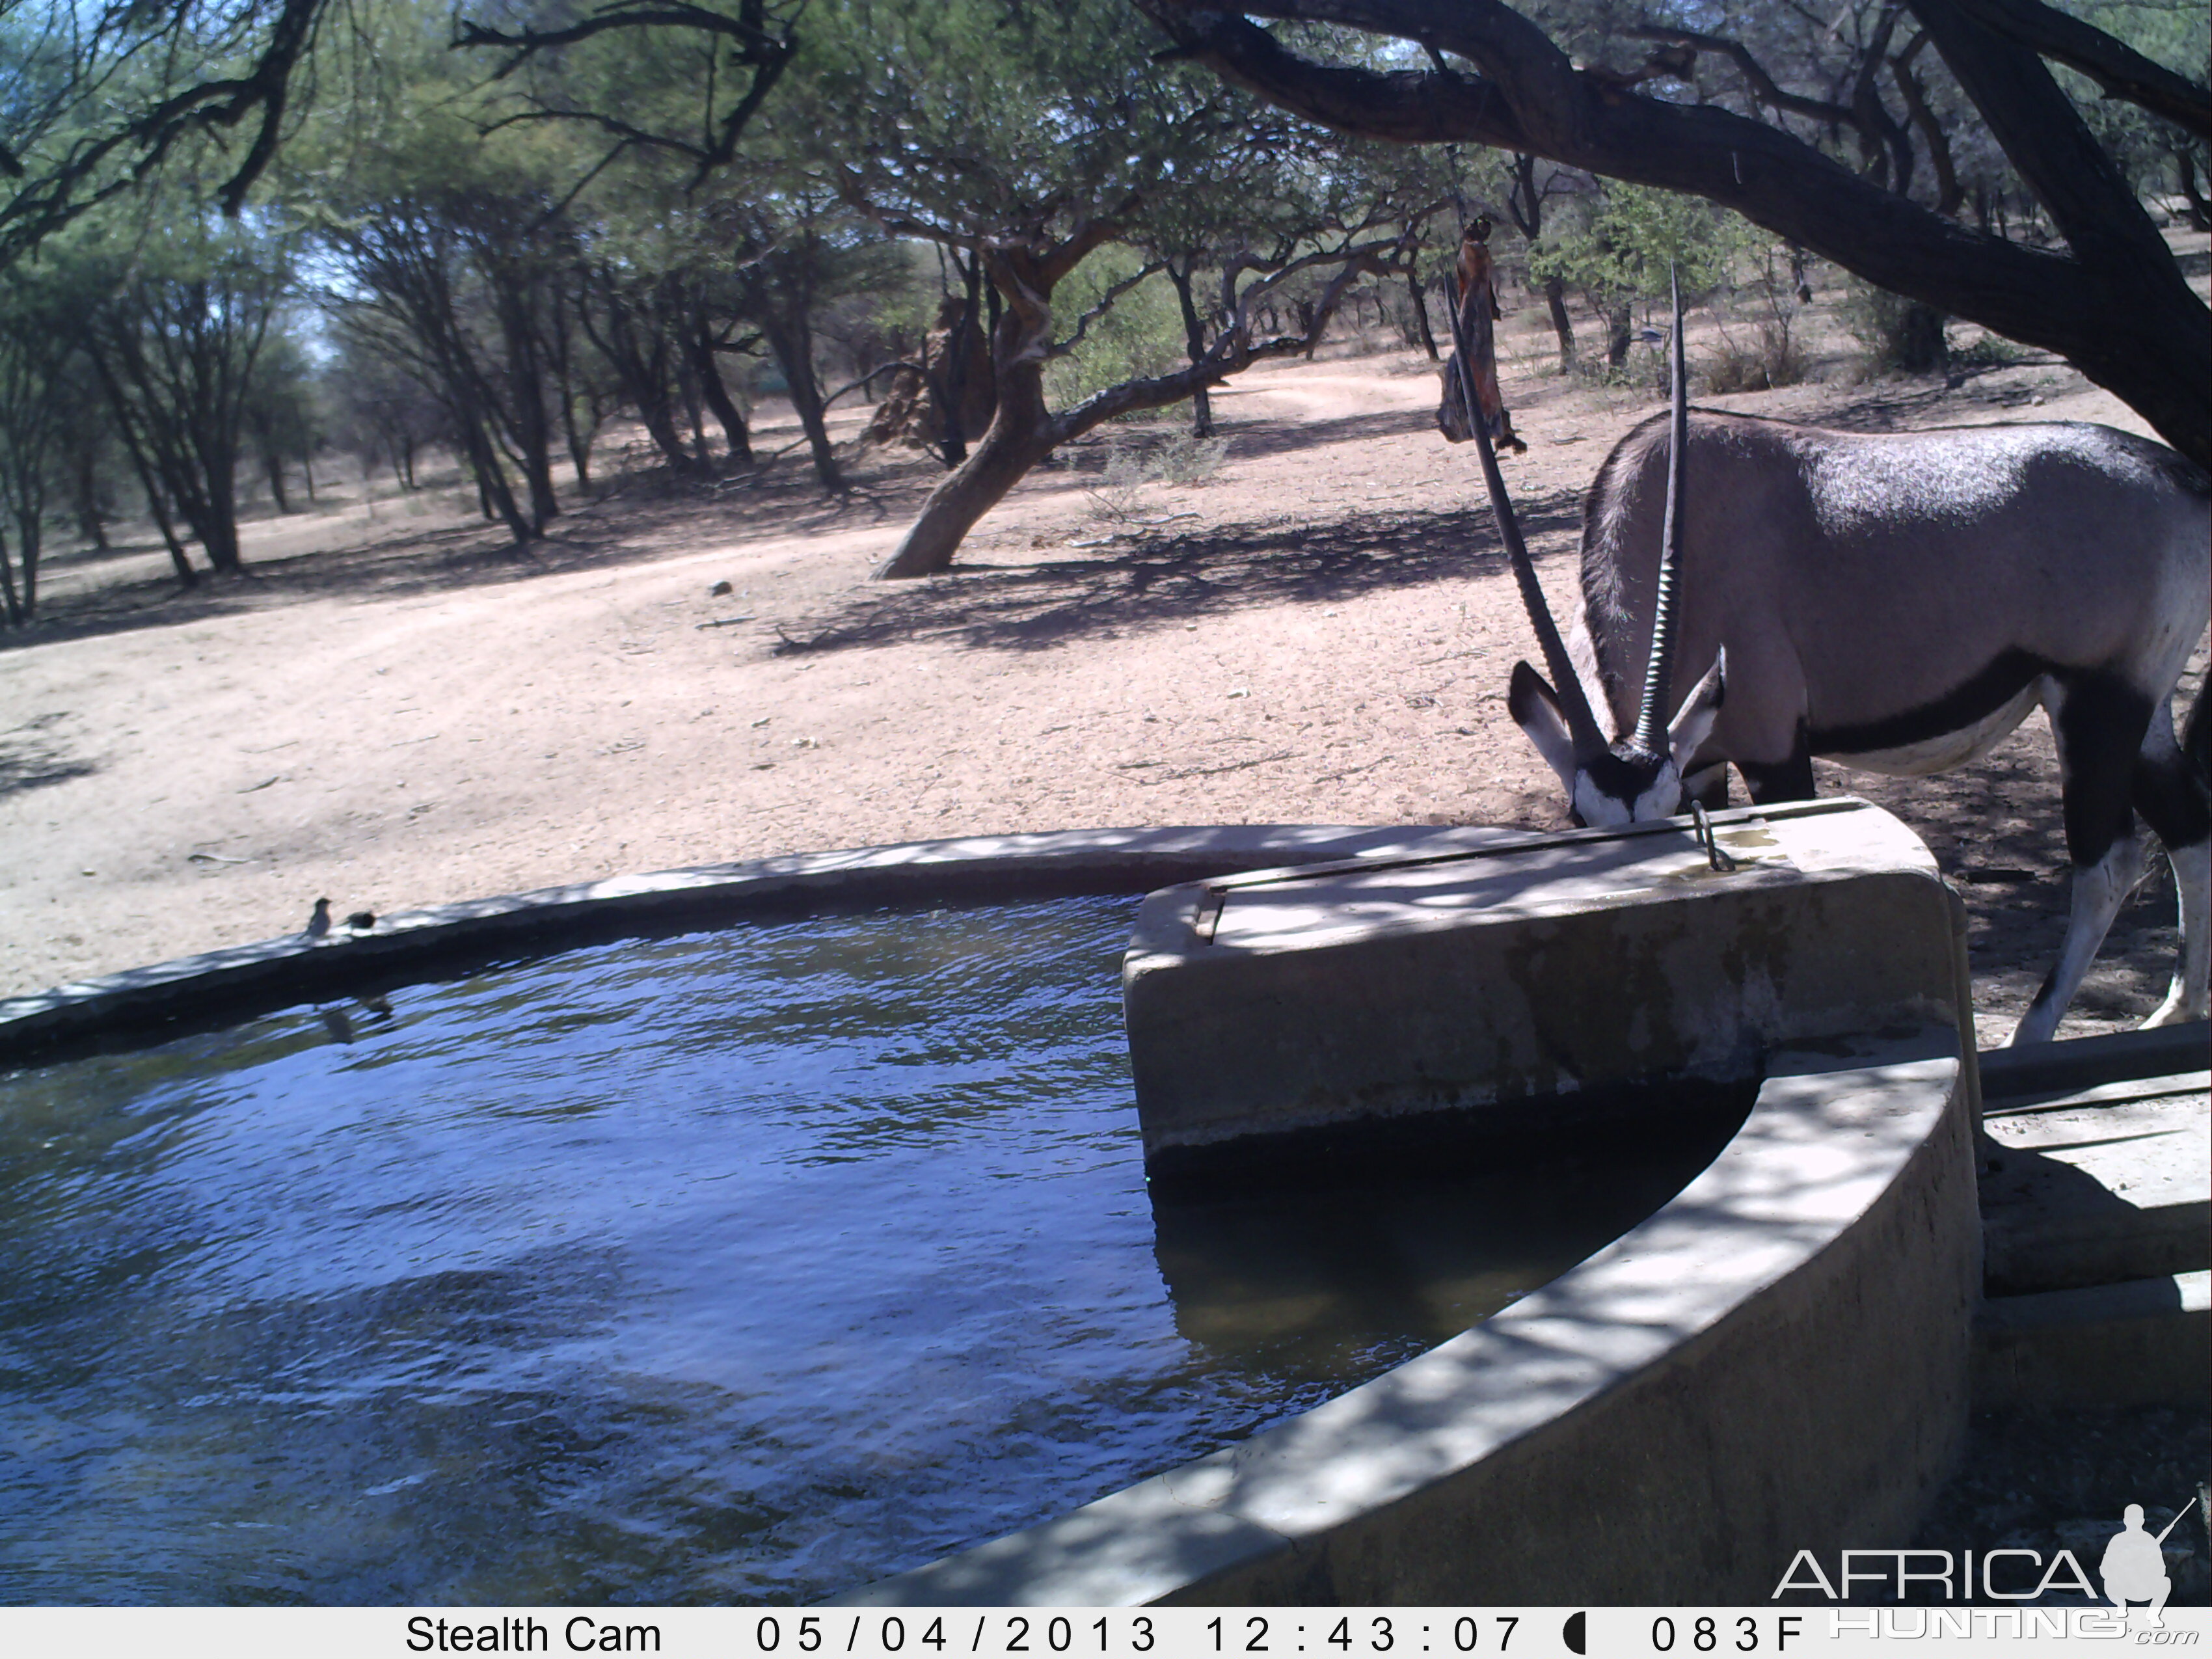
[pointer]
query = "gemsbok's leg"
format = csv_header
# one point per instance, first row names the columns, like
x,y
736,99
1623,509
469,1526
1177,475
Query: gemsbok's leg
x,y
2175,801
2100,723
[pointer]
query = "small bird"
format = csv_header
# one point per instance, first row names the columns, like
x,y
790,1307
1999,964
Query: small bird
x,y
336,1022
319,923
377,1004
361,921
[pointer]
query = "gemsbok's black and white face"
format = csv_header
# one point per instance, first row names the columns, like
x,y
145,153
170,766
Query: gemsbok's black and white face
x,y
1609,781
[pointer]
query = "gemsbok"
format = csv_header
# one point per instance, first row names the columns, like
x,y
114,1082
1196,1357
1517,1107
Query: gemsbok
x,y
1898,603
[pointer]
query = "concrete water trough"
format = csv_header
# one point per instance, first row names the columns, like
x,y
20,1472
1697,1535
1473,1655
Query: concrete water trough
x,y
1776,1360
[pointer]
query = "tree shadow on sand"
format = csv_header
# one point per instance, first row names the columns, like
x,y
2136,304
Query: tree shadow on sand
x,y
30,760
645,523
1153,584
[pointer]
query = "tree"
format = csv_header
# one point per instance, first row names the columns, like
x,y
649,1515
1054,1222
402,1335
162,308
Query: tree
x,y
174,329
1632,243
1519,90
414,301
34,348
101,95
1026,139
1526,202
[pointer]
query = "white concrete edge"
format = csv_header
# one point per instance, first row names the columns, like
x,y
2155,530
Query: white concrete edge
x,y
2070,1309
1825,1141
1111,860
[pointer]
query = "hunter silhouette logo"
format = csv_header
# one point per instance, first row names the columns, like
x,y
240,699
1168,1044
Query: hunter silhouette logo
x,y
2133,1567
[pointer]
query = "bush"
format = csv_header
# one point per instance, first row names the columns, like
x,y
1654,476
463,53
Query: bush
x,y
1177,459
1183,460
1991,351
1899,334
1771,359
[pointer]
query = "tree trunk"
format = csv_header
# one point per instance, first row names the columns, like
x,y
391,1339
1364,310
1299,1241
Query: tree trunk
x,y
1617,337
793,343
217,529
2199,211
952,389
85,486
273,464
1025,430
16,614
1020,436
1418,289
636,349
1021,433
580,447
1921,347
1555,301
186,577
717,394
492,489
657,410
27,562
1194,338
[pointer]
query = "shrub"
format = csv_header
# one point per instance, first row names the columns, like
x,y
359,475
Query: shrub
x,y
1899,334
1177,459
1991,351
1772,358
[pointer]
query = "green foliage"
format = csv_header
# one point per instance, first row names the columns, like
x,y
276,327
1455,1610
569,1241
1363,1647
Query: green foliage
x,y
1621,254
1141,336
1989,351
1899,335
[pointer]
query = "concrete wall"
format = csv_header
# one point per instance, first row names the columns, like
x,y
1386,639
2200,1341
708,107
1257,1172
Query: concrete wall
x,y
1775,1361
1522,984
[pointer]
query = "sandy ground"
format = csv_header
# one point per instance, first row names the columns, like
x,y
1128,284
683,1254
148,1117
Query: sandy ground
x,y
396,710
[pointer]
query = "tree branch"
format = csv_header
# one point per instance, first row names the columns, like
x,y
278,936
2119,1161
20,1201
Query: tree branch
x,y
2118,69
1529,97
1114,292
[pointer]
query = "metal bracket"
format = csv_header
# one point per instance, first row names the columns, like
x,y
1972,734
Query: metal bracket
x,y
1719,861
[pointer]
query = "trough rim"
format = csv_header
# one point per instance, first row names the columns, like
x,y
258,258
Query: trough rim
x,y
1280,1518
239,981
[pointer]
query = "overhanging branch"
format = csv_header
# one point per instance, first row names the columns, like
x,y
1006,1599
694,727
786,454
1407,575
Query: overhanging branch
x,y
2119,71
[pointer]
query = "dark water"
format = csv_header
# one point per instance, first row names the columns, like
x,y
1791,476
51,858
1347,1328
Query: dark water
x,y
747,1266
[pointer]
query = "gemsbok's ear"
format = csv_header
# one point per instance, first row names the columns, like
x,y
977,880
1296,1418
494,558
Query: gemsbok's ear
x,y
1693,723
1536,709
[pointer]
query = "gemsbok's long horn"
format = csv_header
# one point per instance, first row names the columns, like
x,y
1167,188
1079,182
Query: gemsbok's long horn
x,y
1582,724
1659,667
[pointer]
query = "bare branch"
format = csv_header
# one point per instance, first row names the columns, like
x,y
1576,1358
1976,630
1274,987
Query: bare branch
x,y
1114,292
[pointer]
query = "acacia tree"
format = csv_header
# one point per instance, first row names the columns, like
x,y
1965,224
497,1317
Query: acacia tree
x,y
2113,301
1026,139
100,95
174,330
34,349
